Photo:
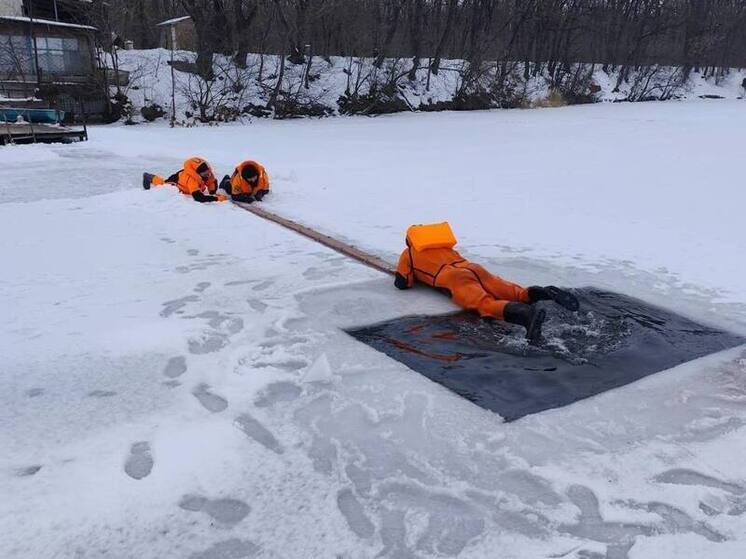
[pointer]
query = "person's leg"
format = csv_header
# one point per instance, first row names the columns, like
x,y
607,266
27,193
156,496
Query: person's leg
x,y
552,293
149,180
467,292
528,316
498,287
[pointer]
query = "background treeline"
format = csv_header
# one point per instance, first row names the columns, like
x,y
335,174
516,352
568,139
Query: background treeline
x,y
541,34
272,57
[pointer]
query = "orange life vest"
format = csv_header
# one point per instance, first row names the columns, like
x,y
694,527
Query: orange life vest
x,y
189,181
239,185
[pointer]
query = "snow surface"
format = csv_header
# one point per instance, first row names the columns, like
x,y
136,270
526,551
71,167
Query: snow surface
x,y
174,381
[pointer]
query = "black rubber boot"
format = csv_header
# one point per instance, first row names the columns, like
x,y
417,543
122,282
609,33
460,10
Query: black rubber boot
x,y
147,179
528,316
551,293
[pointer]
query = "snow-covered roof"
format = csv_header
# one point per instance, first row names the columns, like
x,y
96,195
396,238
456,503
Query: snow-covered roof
x,y
48,22
4,99
174,21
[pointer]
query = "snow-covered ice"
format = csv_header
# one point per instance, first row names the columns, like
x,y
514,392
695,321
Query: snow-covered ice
x,y
174,380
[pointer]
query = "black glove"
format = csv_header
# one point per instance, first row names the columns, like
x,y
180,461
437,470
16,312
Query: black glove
x,y
199,196
259,195
401,282
242,197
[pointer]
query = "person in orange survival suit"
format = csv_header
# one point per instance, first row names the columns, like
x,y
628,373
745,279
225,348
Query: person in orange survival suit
x,y
248,182
195,179
430,259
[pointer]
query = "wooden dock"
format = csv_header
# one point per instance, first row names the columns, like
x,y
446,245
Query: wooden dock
x,y
28,133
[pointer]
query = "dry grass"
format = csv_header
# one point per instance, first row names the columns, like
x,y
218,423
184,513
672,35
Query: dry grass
x,y
554,99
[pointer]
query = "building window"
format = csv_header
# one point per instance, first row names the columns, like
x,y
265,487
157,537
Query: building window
x,y
58,55
16,57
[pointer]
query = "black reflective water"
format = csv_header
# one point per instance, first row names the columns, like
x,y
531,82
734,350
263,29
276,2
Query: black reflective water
x,y
611,341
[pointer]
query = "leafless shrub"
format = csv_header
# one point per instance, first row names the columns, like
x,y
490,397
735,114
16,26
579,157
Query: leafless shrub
x,y
656,82
220,98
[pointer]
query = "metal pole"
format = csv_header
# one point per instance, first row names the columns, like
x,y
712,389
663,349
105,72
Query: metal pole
x,y
7,126
31,125
30,4
85,120
173,78
173,82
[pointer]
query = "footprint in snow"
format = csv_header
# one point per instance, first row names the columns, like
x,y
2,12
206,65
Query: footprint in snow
x,y
354,514
201,286
240,282
209,400
264,285
225,511
257,305
170,307
223,322
101,394
28,471
277,392
255,430
175,367
139,462
683,476
210,342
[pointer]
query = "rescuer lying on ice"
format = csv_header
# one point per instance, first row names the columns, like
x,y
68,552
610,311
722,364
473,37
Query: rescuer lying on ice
x,y
196,179
249,182
430,259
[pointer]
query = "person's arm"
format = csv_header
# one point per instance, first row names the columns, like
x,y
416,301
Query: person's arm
x,y
225,184
202,198
404,278
212,185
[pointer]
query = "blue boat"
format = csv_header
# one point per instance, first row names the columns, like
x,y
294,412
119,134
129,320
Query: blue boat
x,y
46,116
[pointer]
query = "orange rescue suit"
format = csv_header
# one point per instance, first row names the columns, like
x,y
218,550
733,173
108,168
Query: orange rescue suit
x,y
188,180
469,285
239,185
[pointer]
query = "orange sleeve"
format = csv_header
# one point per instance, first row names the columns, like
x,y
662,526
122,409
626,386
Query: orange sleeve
x,y
236,181
404,269
263,181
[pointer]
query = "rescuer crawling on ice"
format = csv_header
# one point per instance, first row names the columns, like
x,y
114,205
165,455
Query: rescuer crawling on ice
x,y
195,179
248,182
430,259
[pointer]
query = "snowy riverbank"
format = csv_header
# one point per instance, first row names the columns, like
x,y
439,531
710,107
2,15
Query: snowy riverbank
x,y
355,86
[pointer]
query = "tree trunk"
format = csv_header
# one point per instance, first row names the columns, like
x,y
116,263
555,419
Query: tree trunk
x,y
437,55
